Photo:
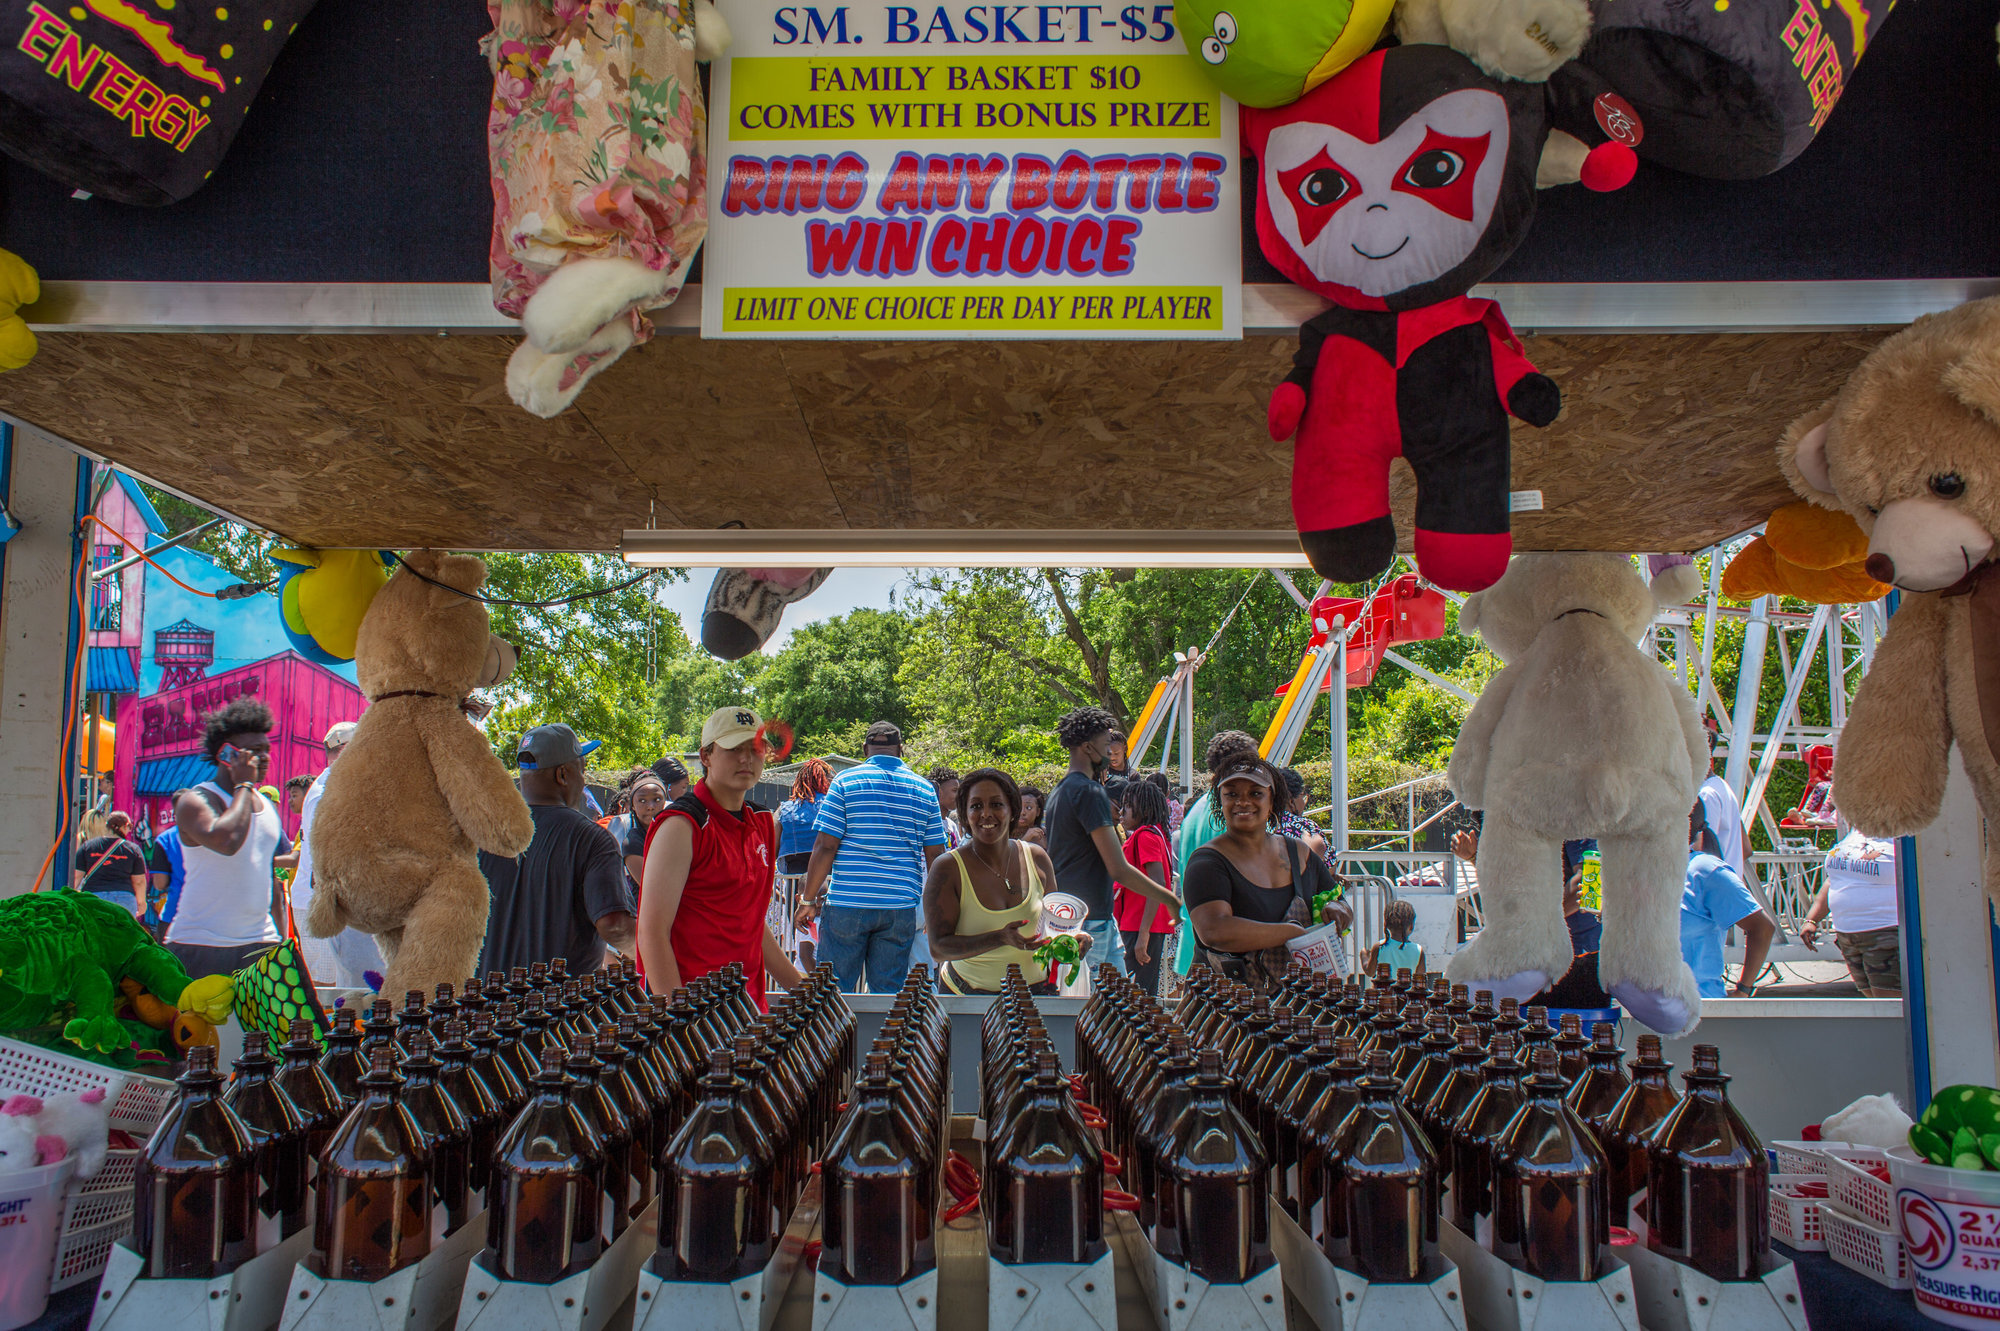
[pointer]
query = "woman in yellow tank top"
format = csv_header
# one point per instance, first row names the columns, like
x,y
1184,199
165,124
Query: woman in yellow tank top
x,y
983,901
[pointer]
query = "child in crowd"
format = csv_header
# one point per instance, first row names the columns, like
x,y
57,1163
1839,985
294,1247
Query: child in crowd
x,y
1142,813
1396,951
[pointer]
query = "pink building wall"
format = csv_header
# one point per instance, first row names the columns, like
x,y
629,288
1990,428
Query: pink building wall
x,y
307,699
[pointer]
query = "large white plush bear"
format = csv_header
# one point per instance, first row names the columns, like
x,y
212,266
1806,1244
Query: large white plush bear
x,y
1581,735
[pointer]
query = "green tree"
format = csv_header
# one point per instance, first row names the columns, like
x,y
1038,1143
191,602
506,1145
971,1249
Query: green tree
x,y
691,685
591,663
240,549
834,673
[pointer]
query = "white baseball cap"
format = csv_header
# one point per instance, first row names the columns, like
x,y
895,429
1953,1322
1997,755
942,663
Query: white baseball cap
x,y
731,727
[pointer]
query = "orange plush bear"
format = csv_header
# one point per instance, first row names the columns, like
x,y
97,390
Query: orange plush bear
x,y
1808,553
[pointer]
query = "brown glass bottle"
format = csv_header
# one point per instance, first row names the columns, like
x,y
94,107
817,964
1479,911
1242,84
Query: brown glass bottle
x,y
342,1060
1570,1046
1152,1134
447,1134
1410,1035
1625,1131
195,1184
878,1214
278,1127
484,1116
1477,1129
490,1061
1535,1033
1221,1183
1319,1159
379,1027
1452,1095
374,1202
1054,1172
1708,1181
1483,1014
415,1016
1508,1022
616,1080
1593,1094
547,1185
608,1124
1550,1195
1388,1183
310,1088
1432,1067
715,1195
1296,1189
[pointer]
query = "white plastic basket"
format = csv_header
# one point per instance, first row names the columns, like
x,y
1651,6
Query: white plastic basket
x,y
1795,1219
138,1102
1811,1157
120,1164
1859,1193
81,1255
87,1210
1860,1246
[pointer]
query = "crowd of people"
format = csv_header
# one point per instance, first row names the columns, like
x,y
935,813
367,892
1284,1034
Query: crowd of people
x,y
968,873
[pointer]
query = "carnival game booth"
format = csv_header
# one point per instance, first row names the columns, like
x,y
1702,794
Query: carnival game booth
x,y
307,340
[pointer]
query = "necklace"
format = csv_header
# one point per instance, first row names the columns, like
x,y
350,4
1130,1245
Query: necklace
x,y
1001,873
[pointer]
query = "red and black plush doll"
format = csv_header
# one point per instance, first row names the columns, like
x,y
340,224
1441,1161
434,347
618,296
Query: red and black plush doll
x,y
1391,189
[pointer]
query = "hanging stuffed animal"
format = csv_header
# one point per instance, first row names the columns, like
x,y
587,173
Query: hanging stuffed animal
x,y
597,138
134,100
1626,769
1391,189
1910,449
1806,552
745,605
322,595
1731,90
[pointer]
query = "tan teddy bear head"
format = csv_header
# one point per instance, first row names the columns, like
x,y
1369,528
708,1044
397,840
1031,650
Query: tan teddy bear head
x,y
1911,448
426,632
1538,589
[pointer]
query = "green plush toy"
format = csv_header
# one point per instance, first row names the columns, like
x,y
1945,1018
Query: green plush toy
x,y
62,955
1272,52
1960,1129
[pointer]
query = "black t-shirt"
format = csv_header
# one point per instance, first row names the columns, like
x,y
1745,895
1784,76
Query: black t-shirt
x,y
1211,876
547,902
1078,806
114,873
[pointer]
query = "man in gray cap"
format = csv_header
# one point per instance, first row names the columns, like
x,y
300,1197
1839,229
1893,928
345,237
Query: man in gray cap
x,y
565,896
347,957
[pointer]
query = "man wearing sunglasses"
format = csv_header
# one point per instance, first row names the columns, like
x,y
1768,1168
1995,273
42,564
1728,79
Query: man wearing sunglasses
x,y
229,836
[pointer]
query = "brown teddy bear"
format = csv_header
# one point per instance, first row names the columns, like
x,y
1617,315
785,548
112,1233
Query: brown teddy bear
x,y
1910,448
418,793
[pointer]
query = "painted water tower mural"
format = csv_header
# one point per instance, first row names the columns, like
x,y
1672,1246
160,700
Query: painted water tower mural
x,y
162,657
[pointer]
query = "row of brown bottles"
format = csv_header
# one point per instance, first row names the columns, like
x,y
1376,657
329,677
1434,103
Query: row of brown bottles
x,y
1043,1191
1201,1174
1540,1132
883,1169
735,1168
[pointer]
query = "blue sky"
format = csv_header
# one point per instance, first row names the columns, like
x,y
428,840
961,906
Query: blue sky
x,y
844,590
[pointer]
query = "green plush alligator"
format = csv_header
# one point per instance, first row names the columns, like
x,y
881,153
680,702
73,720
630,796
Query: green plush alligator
x,y
62,956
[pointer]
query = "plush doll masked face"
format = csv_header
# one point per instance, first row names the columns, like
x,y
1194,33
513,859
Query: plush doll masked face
x,y
1400,182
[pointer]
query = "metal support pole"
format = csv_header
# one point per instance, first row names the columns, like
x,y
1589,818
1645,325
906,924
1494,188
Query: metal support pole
x,y
1749,679
1337,724
1836,672
1187,724
1795,684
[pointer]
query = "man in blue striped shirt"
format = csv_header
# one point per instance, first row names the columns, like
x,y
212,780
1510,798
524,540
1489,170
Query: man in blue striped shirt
x,y
876,831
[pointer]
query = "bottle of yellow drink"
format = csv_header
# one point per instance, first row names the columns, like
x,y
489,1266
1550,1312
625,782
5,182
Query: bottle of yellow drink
x,y
1592,868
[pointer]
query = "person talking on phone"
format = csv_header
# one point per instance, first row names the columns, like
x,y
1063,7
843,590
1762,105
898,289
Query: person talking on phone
x,y
229,836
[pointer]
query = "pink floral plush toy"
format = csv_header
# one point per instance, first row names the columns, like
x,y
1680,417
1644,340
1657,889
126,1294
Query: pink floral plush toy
x,y
596,139
41,1130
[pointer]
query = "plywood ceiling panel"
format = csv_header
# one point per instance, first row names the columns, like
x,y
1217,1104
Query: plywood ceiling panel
x,y
1665,442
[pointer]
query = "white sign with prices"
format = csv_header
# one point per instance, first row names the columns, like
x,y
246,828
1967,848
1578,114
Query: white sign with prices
x,y
969,171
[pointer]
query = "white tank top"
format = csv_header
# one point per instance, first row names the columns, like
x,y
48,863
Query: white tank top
x,y
226,899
